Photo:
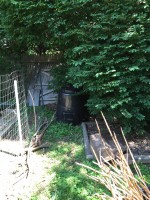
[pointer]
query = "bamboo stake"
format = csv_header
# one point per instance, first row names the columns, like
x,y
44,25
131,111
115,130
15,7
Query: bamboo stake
x,y
18,112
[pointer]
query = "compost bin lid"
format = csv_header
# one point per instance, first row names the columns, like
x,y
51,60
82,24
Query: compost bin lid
x,y
69,89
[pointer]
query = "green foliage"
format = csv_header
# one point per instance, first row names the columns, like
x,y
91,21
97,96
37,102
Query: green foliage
x,y
25,25
145,170
106,51
105,48
7,64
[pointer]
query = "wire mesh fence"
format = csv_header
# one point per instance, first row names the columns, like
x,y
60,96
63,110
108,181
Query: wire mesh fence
x,y
13,113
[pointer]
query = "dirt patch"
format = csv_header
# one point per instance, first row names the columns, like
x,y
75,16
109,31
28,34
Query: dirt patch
x,y
14,184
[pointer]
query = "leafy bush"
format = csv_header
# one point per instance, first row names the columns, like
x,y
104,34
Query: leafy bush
x,y
105,47
25,25
7,64
106,51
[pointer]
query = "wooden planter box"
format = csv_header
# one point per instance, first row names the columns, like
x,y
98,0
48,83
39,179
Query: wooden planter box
x,y
97,146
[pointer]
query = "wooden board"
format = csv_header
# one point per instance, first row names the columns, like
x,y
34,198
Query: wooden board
x,y
88,152
103,148
102,144
100,148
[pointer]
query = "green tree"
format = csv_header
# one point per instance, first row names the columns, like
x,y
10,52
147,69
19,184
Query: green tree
x,y
26,25
105,48
106,51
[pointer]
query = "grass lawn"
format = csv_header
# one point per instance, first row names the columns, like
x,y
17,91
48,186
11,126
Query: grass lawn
x,y
69,181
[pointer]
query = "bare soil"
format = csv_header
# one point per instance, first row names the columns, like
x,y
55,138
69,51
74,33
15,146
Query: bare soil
x,y
14,182
138,145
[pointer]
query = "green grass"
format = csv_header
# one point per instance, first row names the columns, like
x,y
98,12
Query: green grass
x,y
70,181
145,170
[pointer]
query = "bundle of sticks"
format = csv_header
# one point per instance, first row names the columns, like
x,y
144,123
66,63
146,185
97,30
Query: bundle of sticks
x,y
117,175
36,140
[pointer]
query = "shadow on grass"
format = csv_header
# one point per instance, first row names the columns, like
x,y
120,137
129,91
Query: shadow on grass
x,y
69,181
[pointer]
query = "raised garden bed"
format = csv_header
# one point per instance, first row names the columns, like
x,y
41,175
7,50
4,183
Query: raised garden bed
x,y
93,140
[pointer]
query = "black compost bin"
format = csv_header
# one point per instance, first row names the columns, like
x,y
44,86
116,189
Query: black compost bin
x,y
71,106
